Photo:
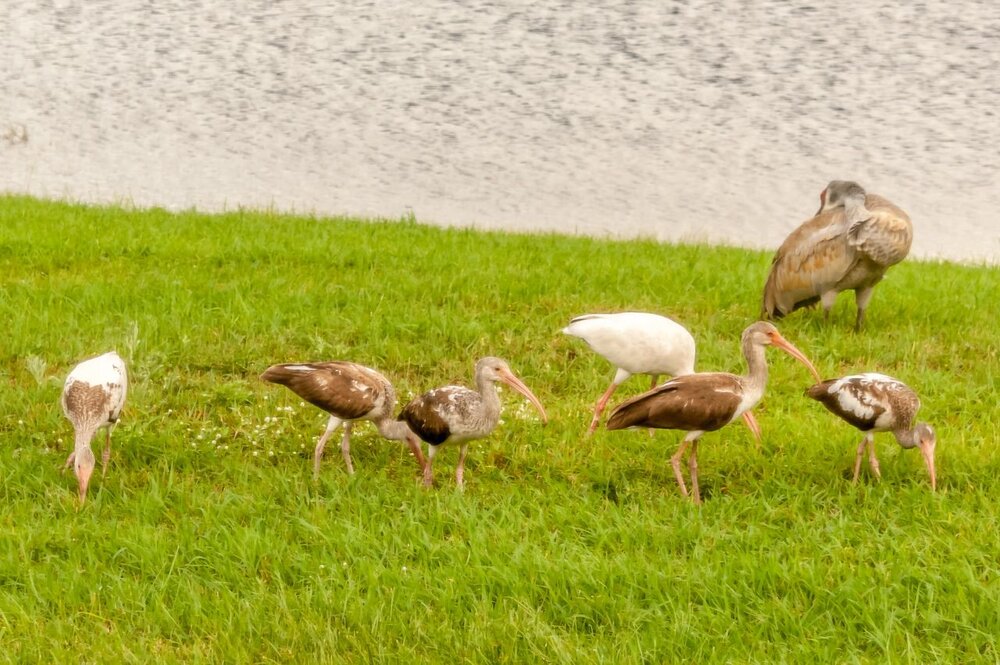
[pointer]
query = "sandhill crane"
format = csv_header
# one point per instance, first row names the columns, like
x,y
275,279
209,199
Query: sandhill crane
x,y
455,414
92,398
349,392
639,343
706,401
878,403
848,245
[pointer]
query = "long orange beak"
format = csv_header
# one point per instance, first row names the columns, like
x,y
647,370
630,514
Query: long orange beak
x,y
789,348
518,385
927,450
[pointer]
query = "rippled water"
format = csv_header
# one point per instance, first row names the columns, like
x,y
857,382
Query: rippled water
x,y
676,120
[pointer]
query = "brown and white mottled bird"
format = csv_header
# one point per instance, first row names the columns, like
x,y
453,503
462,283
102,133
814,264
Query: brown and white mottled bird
x,y
848,245
706,401
93,397
455,414
639,343
349,392
878,403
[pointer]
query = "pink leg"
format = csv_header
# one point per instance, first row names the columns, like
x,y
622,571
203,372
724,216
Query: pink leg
x,y
345,448
675,462
460,470
872,460
857,458
693,465
428,473
414,445
107,455
753,425
652,385
599,409
331,425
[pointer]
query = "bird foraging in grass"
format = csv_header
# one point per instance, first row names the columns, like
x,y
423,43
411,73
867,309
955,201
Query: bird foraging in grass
x,y
92,398
878,403
455,414
705,401
848,245
639,343
349,392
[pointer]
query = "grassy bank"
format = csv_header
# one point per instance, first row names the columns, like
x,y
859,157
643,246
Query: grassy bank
x,y
209,542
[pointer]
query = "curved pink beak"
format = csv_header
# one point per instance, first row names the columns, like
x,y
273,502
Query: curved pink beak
x,y
518,385
789,348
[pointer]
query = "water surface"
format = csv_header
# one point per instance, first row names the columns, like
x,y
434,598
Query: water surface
x,y
717,121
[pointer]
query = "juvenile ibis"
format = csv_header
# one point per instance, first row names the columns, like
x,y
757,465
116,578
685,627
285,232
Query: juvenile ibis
x,y
706,401
878,403
848,245
92,398
349,392
639,343
455,414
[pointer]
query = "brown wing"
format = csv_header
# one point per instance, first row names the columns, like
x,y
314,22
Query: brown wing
x,y
849,400
422,416
705,402
868,401
344,389
886,236
811,260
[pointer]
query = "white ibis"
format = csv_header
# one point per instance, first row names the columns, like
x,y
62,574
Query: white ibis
x,y
848,245
639,343
706,401
349,392
92,398
455,414
878,403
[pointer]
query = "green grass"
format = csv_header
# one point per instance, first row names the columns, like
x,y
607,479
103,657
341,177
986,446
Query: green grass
x,y
208,542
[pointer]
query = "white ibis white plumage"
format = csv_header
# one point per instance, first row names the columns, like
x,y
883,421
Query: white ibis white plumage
x,y
93,397
349,392
706,401
848,245
878,403
455,414
639,343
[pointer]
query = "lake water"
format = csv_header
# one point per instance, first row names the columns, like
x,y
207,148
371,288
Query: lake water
x,y
717,121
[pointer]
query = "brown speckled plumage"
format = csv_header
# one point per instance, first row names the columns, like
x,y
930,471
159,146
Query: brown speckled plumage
x,y
878,403
93,397
455,414
349,392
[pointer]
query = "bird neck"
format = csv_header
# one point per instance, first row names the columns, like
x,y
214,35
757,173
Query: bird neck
x,y
906,437
394,430
756,378
491,400
82,436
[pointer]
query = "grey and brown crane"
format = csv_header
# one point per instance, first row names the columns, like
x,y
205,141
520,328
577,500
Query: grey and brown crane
x,y
848,245
706,401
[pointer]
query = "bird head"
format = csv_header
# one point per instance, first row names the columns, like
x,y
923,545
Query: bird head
x,y
83,467
494,369
764,333
927,442
838,193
